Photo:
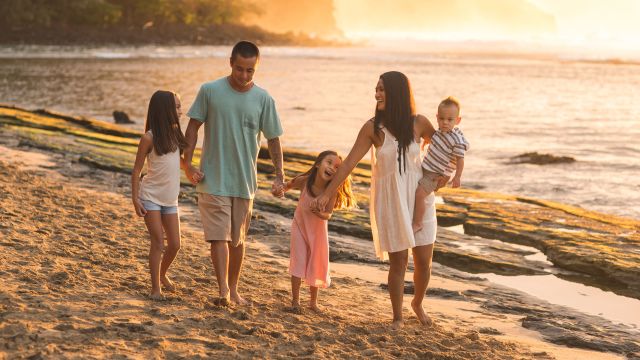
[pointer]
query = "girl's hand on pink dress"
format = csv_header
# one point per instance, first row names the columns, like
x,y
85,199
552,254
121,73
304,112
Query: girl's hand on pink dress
x,y
140,210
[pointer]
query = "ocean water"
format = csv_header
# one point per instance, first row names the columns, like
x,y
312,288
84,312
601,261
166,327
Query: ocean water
x,y
511,104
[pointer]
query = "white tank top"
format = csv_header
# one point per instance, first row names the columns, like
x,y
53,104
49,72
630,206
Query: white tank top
x,y
162,182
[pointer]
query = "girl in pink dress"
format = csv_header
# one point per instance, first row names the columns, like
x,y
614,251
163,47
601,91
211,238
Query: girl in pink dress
x,y
309,258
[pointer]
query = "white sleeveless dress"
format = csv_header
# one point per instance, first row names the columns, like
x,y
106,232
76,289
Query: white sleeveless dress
x,y
161,185
393,198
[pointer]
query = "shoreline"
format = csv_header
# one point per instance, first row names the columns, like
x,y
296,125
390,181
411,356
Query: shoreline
x,y
464,328
592,248
96,155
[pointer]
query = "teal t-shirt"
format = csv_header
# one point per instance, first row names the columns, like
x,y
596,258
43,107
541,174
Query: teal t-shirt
x,y
233,122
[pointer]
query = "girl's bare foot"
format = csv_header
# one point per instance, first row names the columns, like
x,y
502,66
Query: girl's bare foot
x,y
397,324
295,308
239,300
315,308
422,316
167,284
223,300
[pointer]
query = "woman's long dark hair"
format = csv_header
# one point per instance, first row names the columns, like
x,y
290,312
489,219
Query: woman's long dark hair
x,y
163,121
398,114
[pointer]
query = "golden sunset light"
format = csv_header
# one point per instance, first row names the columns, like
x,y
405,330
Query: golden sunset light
x,y
320,179
607,25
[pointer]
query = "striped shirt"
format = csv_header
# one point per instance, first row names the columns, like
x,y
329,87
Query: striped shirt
x,y
443,151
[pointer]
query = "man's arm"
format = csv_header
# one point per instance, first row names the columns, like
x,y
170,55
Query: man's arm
x,y
191,136
275,152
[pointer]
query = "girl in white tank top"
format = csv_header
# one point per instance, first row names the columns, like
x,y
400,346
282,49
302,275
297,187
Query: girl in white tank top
x,y
155,197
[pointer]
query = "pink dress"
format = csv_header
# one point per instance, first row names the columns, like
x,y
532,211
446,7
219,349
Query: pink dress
x,y
309,258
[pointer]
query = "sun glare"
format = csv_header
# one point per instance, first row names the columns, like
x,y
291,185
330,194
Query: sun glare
x,y
593,25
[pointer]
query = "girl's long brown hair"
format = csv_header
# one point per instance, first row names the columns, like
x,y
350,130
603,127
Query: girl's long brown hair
x,y
345,199
398,114
163,121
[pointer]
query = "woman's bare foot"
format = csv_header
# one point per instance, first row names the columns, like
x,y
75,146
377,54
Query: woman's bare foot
x,y
422,316
156,296
167,284
397,324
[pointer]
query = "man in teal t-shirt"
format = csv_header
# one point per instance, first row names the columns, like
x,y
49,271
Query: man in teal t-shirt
x,y
235,112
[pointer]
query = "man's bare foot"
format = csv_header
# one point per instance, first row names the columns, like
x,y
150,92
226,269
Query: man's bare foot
x,y
167,284
416,227
397,324
156,296
422,316
315,308
239,300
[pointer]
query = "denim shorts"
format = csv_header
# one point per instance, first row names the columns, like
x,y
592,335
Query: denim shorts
x,y
151,206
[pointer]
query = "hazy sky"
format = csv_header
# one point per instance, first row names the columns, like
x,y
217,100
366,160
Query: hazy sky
x,y
606,24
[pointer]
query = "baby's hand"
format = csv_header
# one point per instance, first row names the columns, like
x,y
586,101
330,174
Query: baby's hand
x,y
455,183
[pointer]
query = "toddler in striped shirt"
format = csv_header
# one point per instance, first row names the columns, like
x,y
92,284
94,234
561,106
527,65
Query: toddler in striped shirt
x,y
444,156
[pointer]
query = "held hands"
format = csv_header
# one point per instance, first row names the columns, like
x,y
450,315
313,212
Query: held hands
x,y
194,174
140,210
278,188
319,203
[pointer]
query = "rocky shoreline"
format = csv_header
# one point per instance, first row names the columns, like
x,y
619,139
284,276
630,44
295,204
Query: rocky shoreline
x,y
570,237
598,249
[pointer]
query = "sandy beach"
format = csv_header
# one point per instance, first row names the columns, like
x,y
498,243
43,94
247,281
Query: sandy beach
x,y
74,284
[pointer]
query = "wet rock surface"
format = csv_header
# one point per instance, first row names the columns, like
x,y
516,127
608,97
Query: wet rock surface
x,y
540,159
598,248
558,324
603,248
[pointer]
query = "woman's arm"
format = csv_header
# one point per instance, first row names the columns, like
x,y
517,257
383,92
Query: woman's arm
x,y
360,147
325,214
426,131
424,128
144,148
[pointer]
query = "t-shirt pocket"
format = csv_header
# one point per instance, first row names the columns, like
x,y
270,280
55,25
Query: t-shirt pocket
x,y
251,123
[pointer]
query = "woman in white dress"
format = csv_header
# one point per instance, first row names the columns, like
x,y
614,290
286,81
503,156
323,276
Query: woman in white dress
x,y
395,133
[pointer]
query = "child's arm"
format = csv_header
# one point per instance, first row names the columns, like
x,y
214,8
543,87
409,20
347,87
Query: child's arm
x,y
328,210
145,146
459,167
296,183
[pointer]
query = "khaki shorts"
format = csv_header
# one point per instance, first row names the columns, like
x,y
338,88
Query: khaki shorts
x,y
225,218
429,181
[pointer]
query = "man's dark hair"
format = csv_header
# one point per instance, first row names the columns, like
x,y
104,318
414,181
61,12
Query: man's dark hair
x,y
246,49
